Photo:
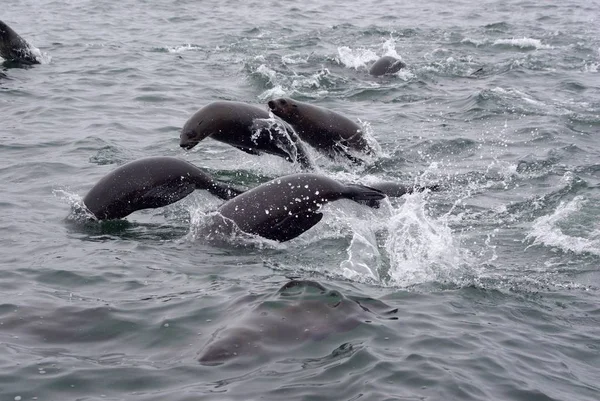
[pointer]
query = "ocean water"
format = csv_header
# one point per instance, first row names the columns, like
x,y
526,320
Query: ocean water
x,y
486,290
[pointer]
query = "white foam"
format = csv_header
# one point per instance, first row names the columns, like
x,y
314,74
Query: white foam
x,y
182,48
475,42
311,82
273,93
295,59
546,230
523,43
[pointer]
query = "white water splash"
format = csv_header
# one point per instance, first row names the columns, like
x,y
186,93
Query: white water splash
x,y
364,259
355,58
546,230
79,212
389,48
371,140
591,67
420,248
268,73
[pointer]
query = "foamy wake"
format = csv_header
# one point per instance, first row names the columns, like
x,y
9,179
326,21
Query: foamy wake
x,y
182,48
523,43
546,230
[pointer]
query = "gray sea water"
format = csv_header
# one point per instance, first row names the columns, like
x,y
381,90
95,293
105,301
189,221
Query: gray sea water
x,y
486,290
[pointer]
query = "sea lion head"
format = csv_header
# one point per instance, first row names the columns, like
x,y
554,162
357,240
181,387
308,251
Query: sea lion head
x,y
193,132
285,108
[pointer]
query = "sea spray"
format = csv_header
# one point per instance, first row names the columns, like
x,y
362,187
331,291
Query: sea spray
x,y
421,248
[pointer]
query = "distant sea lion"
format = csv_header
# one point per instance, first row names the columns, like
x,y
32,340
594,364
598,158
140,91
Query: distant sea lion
x,y
386,65
327,131
15,48
286,207
150,183
301,311
245,127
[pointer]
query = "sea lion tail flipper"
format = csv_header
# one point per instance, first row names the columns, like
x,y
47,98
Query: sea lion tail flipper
x,y
291,226
396,190
362,194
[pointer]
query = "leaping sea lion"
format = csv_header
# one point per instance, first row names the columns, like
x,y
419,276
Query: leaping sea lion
x,y
15,48
286,207
245,127
327,131
150,183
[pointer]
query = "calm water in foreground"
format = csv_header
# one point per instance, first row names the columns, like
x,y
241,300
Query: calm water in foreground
x,y
486,290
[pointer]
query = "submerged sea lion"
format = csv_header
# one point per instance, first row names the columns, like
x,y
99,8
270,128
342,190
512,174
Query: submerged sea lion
x,y
325,130
299,312
150,183
15,48
286,207
386,65
245,127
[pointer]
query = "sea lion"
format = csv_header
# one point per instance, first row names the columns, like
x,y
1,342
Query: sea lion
x,y
327,131
386,65
14,48
245,127
149,183
301,311
286,207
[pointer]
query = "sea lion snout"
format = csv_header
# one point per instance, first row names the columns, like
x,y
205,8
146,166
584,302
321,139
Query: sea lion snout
x,y
187,140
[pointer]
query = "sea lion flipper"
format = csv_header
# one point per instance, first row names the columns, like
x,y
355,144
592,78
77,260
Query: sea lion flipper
x,y
291,226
